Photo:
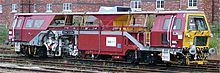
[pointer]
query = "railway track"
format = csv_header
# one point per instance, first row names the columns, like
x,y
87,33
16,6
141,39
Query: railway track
x,y
5,50
26,69
109,66
102,65
60,63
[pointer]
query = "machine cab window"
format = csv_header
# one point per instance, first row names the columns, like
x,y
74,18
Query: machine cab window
x,y
29,23
166,24
197,23
19,23
38,23
177,24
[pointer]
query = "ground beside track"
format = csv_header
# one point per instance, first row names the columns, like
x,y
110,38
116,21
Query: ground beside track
x,y
30,68
216,56
19,71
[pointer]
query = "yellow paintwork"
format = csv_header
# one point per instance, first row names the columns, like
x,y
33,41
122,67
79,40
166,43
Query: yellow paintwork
x,y
198,62
125,20
121,21
189,36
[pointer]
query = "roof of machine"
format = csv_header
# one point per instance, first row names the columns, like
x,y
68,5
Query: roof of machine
x,y
113,13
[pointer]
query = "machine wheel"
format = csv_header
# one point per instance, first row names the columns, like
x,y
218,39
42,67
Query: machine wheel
x,y
65,55
155,59
181,58
27,51
43,52
130,57
88,56
183,61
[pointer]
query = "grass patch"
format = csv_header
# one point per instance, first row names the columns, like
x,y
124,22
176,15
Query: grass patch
x,y
3,34
215,40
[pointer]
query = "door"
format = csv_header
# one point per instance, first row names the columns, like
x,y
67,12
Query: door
x,y
18,27
166,33
160,35
176,35
27,30
33,25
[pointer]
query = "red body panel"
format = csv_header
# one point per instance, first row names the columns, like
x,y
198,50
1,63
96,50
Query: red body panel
x,y
155,39
88,42
27,34
96,42
19,29
107,19
115,48
157,31
175,37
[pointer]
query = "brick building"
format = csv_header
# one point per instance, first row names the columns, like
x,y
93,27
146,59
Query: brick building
x,y
10,7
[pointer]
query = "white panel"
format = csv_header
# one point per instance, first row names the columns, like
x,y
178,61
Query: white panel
x,y
180,36
10,37
173,46
165,55
17,47
174,42
111,41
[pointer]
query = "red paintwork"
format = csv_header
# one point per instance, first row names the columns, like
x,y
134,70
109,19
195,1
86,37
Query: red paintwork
x,y
89,41
19,28
107,19
96,44
27,34
111,49
157,30
175,37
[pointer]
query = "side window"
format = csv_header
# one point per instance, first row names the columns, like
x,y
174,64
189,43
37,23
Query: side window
x,y
77,20
177,24
166,23
38,23
164,38
200,22
19,23
29,23
192,24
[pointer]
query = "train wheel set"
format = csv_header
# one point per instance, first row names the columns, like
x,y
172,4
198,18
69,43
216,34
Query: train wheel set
x,y
175,37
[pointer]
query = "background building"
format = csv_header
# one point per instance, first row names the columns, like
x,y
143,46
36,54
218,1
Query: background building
x,y
9,7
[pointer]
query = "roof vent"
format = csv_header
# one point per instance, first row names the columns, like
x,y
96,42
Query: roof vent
x,y
115,9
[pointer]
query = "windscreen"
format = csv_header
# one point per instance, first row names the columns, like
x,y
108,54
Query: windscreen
x,y
197,23
13,23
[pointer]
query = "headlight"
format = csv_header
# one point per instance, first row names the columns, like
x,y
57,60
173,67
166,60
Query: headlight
x,y
212,50
188,35
192,49
211,35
